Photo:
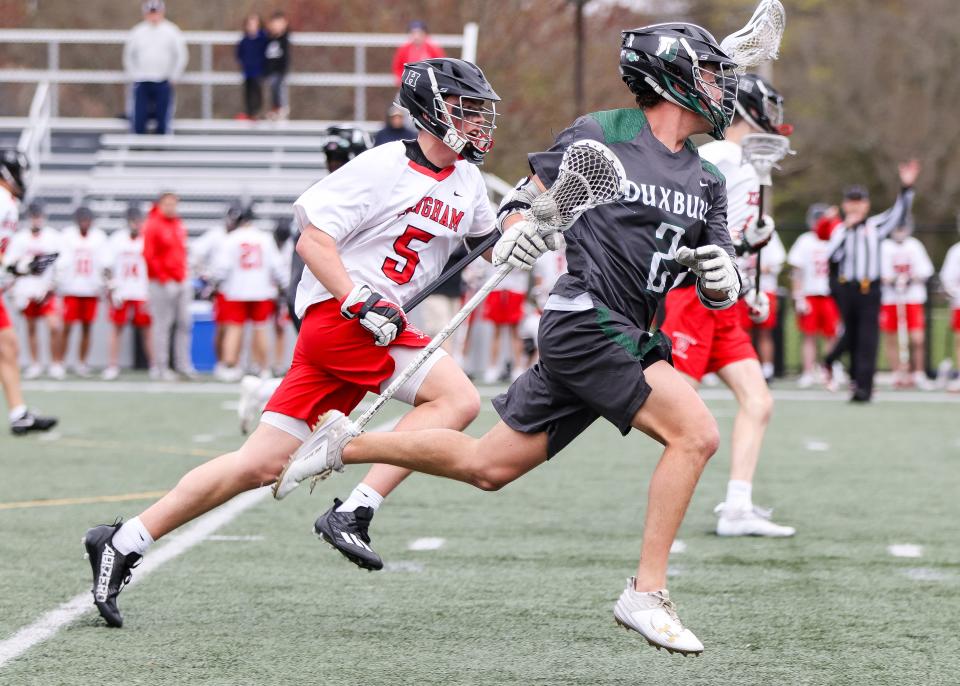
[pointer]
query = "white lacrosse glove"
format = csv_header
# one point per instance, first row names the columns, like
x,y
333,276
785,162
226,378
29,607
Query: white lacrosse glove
x,y
713,268
758,306
521,244
756,236
384,319
801,305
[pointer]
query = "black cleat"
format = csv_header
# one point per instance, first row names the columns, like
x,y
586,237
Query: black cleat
x,y
111,570
31,422
347,532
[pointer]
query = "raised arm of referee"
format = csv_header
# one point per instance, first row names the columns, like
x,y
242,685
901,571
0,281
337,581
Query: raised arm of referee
x,y
855,250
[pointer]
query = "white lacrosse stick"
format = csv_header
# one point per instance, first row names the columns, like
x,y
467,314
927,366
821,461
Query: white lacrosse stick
x,y
590,175
759,40
763,152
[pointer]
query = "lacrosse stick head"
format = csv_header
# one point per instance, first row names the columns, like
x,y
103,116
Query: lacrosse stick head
x,y
759,40
763,151
590,175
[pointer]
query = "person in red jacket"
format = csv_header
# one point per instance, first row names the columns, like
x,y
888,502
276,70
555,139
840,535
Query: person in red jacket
x,y
165,252
418,48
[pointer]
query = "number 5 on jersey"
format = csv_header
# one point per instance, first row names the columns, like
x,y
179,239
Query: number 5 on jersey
x,y
392,268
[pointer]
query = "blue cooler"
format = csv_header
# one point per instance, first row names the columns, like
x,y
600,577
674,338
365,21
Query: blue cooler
x,y
201,347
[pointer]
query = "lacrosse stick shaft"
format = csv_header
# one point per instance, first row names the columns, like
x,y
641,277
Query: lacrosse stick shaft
x,y
761,224
431,288
437,341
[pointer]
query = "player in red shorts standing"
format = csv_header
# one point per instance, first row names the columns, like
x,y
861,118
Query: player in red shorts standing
x,y
13,167
905,268
772,257
79,272
504,309
714,340
817,313
34,295
125,273
373,234
249,273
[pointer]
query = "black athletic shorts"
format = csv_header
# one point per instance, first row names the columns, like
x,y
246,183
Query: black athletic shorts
x,y
591,365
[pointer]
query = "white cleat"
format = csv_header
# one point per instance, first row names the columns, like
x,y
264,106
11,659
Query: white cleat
x,y
923,382
805,381
110,374
753,521
57,372
32,372
654,617
319,455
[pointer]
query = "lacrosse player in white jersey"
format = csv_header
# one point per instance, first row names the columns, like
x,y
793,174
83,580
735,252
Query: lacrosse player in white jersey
x,y
905,268
13,169
373,234
817,313
33,295
79,274
202,251
715,340
125,274
248,272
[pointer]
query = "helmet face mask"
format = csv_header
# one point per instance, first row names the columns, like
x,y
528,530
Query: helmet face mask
x,y
452,100
683,64
761,105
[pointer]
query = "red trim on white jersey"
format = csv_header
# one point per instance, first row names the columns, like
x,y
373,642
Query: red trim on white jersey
x,y
427,171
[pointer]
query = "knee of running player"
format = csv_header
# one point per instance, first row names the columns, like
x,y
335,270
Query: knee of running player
x,y
699,440
255,467
8,345
491,476
463,403
758,405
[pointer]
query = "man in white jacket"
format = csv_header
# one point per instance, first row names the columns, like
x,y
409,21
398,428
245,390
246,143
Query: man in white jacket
x,y
154,57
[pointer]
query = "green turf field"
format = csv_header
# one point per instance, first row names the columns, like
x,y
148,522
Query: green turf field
x,y
522,590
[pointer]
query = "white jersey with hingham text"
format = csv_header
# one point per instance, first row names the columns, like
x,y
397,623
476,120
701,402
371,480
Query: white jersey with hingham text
x,y
743,185
395,222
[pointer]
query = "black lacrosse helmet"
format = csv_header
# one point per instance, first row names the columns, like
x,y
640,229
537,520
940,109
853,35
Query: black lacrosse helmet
x,y
344,143
13,168
422,90
761,105
673,59
239,213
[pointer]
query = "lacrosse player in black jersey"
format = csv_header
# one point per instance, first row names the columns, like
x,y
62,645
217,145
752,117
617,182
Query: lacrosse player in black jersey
x,y
597,356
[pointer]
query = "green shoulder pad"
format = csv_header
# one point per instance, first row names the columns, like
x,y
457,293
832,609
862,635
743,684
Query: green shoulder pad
x,y
620,126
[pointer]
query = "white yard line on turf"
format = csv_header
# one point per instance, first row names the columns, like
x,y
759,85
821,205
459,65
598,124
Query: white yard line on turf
x,y
47,625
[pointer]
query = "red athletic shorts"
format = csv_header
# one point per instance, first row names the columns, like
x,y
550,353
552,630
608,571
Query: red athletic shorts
x,y
79,309
5,322
748,324
241,311
38,310
130,310
335,364
822,319
703,340
218,301
888,317
504,307
956,319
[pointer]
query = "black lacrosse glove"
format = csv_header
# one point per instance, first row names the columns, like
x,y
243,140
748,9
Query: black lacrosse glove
x,y
382,318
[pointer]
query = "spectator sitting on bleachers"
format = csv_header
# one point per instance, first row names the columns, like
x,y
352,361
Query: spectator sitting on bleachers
x,y
396,128
154,57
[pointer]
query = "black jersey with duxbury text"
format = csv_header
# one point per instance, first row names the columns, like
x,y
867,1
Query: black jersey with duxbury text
x,y
622,254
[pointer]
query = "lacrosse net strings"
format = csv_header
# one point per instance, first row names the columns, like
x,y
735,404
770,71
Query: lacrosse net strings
x,y
759,40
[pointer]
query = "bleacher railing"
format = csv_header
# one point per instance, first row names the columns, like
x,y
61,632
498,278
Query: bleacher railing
x,y
204,74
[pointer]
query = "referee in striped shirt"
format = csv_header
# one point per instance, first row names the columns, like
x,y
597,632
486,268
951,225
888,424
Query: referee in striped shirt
x,y
855,251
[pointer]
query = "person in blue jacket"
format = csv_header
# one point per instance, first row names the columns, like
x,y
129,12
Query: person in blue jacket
x,y
251,54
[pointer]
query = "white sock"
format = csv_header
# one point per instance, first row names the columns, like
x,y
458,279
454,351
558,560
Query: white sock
x,y
362,496
739,494
17,412
132,537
